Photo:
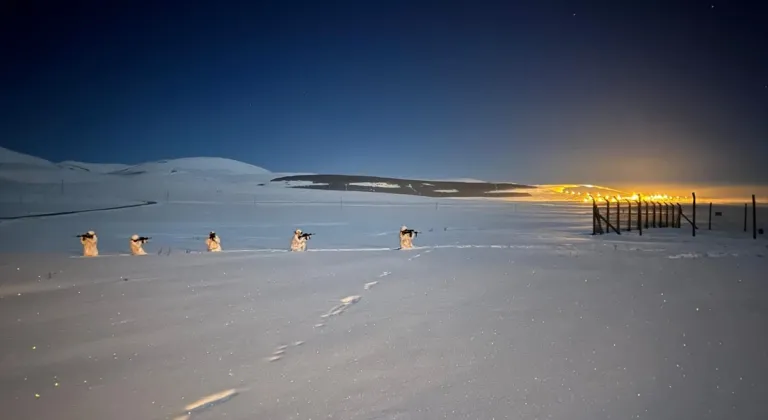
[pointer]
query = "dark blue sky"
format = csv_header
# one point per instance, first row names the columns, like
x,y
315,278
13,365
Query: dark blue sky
x,y
530,91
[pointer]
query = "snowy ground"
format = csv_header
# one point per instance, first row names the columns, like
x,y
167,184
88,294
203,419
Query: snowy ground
x,y
505,310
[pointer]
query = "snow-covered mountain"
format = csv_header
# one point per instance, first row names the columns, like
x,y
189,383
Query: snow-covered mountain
x,y
9,157
194,165
19,167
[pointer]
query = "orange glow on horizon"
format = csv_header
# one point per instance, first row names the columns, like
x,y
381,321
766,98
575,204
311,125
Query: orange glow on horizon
x,y
588,196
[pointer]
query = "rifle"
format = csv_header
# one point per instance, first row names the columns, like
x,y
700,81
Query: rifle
x,y
142,239
306,235
84,235
212,236
412,232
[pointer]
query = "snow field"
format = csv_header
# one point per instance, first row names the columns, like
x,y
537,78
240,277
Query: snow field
x,y
503,314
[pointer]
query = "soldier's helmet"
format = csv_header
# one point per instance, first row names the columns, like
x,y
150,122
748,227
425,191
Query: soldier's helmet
x,y
134,237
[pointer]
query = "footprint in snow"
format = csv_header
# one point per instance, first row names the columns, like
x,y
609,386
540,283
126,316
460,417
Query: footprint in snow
x,y
280,351
340,308
370,284
207,402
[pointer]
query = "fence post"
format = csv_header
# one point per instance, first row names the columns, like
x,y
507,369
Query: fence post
x,y
640,215
745,217
608,214
646,214
594,217
710,216
666,215
654,214
694,214
754,218
661,215
629,215
596,211
674,224
618,214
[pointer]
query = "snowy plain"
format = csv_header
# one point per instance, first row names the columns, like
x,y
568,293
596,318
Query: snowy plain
x,y
506,310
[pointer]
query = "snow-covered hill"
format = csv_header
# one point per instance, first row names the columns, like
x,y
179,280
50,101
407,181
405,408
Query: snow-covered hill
x,y
194,165
9,157
22,168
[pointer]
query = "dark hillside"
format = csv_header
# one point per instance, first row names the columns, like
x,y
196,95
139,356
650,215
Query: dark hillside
x,y
408,186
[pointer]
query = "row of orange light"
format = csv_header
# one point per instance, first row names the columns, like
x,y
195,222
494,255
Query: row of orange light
x,y
633,197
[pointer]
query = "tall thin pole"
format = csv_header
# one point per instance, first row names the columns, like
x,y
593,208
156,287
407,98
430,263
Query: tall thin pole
x,y
694,213
745,217
646,215
754,218
674,225
654,214
618,214
710,216
629,216
640,215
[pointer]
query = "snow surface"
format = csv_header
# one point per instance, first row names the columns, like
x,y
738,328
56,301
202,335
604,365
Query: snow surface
x,y
502,311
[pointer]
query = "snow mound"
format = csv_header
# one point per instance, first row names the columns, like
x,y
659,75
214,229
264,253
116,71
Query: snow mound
x,y
99,168
193,165
9,157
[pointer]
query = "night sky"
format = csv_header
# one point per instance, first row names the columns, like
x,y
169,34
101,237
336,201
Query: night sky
x,y
528,91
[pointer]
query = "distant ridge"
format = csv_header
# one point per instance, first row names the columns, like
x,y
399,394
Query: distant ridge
x,y
20,167
8,156
426,188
